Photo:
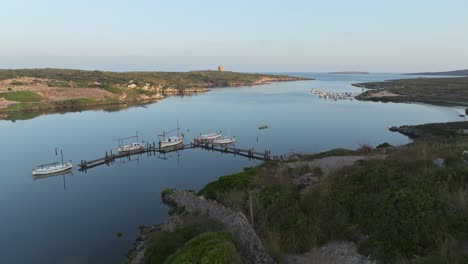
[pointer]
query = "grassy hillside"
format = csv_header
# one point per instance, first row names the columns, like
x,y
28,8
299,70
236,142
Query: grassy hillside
x,y
49,89
178,80
439,91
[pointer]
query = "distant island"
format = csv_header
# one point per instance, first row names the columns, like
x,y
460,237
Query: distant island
x,y
349,72
32,90
446,73
437,91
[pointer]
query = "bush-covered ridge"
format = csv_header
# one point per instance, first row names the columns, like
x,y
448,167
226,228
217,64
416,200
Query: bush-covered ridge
x,y
438,91
177,80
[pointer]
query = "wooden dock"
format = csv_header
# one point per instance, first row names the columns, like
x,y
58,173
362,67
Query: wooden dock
x,y
152,149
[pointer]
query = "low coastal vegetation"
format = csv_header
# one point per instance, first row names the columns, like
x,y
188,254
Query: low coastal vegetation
x,y
196,240
438,91
445,73
21,96
77,89
403,208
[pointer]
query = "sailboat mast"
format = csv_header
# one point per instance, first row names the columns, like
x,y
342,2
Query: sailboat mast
x,y
178,128
61,154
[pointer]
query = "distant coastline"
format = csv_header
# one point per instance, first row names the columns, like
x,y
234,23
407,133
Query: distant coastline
x,y
446,73
30,92
436,91
349,72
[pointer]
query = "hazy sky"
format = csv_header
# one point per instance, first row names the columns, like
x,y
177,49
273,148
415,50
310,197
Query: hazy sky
x,y
242,35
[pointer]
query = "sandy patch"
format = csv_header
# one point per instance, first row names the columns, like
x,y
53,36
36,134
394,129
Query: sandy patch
x,y
383,94
51,93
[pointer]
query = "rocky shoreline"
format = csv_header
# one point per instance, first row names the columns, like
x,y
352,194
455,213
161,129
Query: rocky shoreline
x,y
50,98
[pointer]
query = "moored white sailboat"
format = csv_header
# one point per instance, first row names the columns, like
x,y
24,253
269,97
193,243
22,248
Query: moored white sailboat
x,y
52,167
132,147
165,141
209,137
224,141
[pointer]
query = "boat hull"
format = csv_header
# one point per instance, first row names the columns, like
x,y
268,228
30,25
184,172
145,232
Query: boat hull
x,y
53,169
225,141
209,137
135,147
171,143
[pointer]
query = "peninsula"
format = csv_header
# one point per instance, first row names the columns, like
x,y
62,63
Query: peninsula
x,y
437,91
349,72
446,73
38,90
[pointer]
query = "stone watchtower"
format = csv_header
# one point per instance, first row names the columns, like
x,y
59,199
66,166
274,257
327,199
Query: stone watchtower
x,y
220,68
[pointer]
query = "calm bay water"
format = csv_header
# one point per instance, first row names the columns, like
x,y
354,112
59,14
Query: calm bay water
x,y
75,218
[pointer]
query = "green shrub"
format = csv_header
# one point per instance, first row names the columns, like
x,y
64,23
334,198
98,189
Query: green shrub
x,y
395,203
164,244
22,96
279,212
239,181
207,248
113,89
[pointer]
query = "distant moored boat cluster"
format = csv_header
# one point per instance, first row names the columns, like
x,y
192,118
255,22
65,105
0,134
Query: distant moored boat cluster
x,y
334,96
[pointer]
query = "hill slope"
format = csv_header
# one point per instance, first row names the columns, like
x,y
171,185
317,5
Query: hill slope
x,y
446,73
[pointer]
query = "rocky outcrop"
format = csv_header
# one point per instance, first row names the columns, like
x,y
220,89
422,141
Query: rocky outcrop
x,y
410,131
251,247
137,253
332,253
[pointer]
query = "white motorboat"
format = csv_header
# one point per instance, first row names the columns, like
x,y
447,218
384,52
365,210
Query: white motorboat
x,y
224,141
209,137
52,168
133,147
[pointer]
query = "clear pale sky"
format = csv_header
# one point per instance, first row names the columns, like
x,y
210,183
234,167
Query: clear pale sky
x,y
242,35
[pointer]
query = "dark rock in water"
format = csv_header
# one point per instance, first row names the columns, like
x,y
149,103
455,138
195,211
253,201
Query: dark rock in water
x,y
119,234
439,162
461,115
384,145
411,132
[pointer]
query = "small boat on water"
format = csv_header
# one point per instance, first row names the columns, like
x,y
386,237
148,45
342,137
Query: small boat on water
x,y
171,141
51,168
133,147
209,137
165,141
263,127
224,141
54,174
